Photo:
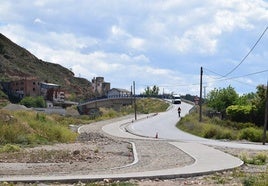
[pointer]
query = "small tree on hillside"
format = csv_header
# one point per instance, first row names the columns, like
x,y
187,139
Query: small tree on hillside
x,y
151,92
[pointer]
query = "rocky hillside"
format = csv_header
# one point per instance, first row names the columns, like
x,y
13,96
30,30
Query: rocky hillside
x,y
16,62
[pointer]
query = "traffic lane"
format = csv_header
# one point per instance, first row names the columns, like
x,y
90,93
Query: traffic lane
x,y
164,125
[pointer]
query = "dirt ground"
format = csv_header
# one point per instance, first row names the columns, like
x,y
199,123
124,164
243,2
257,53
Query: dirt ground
x,y
95,153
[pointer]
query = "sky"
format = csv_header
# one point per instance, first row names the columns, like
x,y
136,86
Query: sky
x,y
149,42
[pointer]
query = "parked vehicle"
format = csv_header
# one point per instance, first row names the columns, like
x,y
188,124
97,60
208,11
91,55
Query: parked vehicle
x,y
176,99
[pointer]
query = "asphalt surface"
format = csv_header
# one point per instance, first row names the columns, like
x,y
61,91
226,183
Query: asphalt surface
x,y
164,125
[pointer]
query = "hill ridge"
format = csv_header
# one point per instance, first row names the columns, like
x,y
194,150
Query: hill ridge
x,y
16,63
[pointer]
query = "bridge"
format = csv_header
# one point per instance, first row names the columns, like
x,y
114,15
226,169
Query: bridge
x,y
90,107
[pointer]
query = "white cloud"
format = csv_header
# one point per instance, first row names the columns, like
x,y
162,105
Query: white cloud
x,y
122,37
118,32
128,40
38,21
136,43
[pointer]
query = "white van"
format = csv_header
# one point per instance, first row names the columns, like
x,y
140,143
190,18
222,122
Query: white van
x,y
176,99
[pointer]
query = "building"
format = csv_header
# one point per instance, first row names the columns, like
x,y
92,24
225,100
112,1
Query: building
x,y
118,93
32,87
52,92
24,87
100,88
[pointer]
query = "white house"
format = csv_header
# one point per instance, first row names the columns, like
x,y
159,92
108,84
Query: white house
x,y
118,92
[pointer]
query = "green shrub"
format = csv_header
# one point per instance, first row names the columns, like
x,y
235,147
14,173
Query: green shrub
x,y
227,134
30,128
260,179
218,132
249,181
240,113
34,139
190,125
251,134
220,129
259,159
207,129
38,102
10,148
151,105
210,131
9,133
40,117
231,124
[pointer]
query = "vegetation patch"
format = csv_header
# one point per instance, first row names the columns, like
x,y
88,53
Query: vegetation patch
x,y
215,128
37,102
33,128
260,179
9,148
151,105
258,159
29,128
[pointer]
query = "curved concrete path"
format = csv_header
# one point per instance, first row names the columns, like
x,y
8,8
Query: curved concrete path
x,y
207,160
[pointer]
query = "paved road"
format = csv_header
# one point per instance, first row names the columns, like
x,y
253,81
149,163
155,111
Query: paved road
x,y
164,125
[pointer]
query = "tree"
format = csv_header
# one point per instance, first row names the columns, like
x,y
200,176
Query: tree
x,y
33,102
259,103
245,99
220,99
154,91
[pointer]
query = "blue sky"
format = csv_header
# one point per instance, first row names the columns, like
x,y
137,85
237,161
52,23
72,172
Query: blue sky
x,y
151,42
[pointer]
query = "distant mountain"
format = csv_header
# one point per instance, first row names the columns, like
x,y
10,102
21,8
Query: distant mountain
x,y
17,63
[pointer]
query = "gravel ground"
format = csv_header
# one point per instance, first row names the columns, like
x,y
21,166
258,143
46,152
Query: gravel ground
x,y
94,152
60,159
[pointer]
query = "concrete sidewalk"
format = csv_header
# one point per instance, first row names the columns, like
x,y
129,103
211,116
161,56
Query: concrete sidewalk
x,y
207,160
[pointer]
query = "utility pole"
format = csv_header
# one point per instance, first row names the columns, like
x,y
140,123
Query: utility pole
x,y
135,106
265,116
200,99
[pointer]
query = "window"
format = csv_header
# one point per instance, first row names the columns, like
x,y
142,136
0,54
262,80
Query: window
x,y
33,89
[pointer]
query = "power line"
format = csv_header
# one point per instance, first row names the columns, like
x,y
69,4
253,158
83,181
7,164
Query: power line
x,y
231,78
253,73
195,84
250,74
220,78
247,53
